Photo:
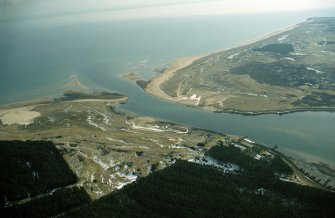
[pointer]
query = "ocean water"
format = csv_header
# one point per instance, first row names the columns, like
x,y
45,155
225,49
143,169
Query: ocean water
x,y
39,57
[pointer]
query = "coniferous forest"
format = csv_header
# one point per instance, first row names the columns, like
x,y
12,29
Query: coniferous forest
x,y
188,189
184,189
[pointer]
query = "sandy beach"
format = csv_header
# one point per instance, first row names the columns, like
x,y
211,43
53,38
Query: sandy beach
x,y
262,37
153,87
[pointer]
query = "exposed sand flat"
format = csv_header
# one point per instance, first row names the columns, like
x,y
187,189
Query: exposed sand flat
x,y
21,115
153,87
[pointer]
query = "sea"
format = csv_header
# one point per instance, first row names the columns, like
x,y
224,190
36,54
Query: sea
x,y
40,57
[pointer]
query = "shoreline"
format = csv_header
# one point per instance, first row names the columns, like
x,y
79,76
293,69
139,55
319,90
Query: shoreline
x,y
260,38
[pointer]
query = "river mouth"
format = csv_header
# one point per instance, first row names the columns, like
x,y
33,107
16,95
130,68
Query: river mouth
x,y
98,59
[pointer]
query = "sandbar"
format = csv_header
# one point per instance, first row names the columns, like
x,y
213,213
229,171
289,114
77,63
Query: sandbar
x,y
131,76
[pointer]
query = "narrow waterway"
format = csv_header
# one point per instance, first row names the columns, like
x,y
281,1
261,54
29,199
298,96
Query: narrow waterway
x,y
306,135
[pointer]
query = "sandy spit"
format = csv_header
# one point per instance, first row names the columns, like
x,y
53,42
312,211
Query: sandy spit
x,y
153,87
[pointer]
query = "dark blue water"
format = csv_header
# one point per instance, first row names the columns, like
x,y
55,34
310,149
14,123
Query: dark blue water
x,y
38,57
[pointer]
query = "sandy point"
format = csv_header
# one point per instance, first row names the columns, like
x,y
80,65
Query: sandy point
x,y
153,87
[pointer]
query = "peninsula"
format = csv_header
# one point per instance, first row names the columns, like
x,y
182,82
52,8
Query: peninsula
x,y
289,70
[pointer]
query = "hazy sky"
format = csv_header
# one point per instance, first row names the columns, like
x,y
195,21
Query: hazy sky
x,y
125,9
